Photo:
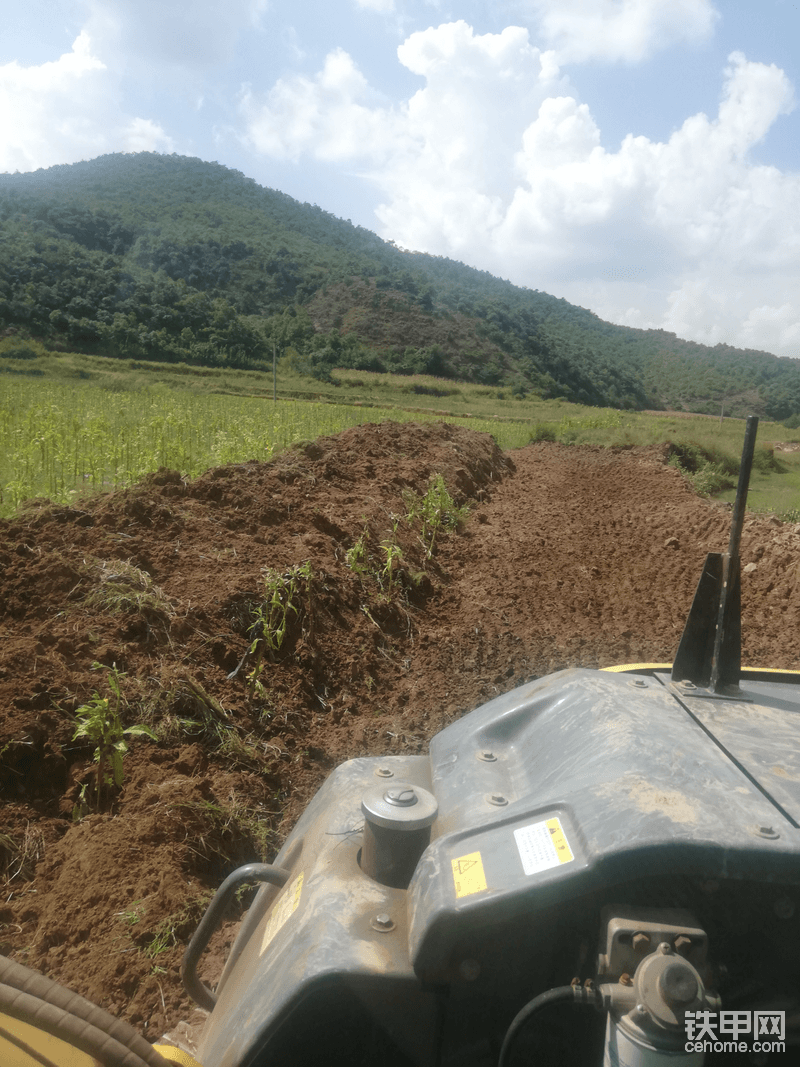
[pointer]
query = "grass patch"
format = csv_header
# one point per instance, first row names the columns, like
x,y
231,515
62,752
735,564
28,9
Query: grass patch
x,y
19,855
118,587
94,422
774,487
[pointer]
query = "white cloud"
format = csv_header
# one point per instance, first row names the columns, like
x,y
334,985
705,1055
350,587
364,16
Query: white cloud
x,y
329,115
41,110
614,30
495,161
450,140
144,135
63,111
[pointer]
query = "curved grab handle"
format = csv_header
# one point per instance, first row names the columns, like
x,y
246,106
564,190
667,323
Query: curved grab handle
x,y
252,872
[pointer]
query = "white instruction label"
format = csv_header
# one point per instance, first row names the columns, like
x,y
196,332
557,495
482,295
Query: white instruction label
x,y
542,845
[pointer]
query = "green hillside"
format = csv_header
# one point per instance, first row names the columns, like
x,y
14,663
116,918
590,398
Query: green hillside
x,y
168,258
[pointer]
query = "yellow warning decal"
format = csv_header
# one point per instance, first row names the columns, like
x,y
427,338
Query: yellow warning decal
x,y
563,851
285,906
468,875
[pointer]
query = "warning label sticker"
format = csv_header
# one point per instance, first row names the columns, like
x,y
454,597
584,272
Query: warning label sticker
x,y
468,875
285,906
543,845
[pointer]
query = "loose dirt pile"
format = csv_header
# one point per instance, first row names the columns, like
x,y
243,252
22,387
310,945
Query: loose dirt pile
x,y
570,556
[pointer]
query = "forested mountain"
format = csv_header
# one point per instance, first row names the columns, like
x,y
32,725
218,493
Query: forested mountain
x,y
170,258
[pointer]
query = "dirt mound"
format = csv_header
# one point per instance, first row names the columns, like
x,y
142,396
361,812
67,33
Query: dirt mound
x,y
393,628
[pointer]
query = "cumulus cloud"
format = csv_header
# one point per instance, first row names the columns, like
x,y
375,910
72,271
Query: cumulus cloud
x,y
450,139
334,115
620,30
64,110
144,135
700,187
496,161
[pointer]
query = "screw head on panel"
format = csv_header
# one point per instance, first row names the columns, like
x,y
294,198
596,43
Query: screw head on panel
x,y
383,922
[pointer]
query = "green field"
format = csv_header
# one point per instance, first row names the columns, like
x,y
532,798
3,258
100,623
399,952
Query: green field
x,y
71,424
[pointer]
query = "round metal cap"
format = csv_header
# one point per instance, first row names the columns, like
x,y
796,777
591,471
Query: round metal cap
x,y
667,985
678,986
400,806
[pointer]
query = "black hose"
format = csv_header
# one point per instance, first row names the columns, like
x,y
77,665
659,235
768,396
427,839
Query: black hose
x,y
44,1004
577,994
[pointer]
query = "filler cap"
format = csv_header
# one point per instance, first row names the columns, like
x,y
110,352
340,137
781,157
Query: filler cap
x,y
400,806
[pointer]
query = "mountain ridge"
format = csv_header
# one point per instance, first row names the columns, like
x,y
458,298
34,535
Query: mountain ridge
x,y
172,258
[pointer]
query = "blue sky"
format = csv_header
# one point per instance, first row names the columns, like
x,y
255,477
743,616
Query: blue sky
x,y
639,157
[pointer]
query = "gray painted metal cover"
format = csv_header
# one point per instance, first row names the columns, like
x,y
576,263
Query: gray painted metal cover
x,y
580,780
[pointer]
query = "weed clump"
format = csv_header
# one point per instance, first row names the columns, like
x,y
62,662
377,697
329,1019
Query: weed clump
x,y
707,472
436,510
18,858
283,593
542,431
120,587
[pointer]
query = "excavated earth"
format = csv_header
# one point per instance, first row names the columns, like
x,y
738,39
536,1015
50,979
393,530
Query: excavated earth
x,y
569,557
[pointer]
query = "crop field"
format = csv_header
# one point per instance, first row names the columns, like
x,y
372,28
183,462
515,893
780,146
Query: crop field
x,y
71,424
60,440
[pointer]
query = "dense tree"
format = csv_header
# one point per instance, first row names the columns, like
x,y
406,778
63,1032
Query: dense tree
x,y
170,258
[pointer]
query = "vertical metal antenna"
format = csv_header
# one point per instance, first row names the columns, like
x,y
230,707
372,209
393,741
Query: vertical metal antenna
x,y
730,561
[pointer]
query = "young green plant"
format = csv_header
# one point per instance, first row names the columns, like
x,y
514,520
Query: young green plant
x,y
100,722
357,557
386,574
282,598
436,510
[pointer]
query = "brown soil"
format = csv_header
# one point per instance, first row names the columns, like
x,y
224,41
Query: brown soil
x,y
571,556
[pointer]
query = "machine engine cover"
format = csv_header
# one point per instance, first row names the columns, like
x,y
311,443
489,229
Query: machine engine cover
x,y
564,787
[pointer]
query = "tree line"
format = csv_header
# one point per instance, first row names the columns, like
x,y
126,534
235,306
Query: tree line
x,y
170,258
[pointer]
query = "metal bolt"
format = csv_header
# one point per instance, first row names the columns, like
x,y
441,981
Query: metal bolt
x,y
641,943
487,756
497,799
469,970
625,979
639,683
384,772
402,798
784,908
767,831
683,944
688,685
665,948
383,922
